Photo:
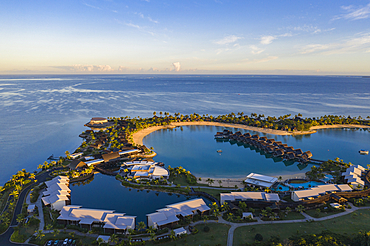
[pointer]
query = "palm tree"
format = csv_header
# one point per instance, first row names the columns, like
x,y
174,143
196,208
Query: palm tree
x,y
72,234
141,226
113,238
264,213
172,235
220,182
152,236
242,205
150,230
19,218
300,208
288,210
49,226
55,232
230,217
39,234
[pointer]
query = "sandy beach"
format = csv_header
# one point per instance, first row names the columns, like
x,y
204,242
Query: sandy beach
x,y
231,182
138,136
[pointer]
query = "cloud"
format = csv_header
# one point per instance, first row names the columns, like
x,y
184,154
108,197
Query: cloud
x,y
176,66
314,47
91,6
354,13
256,50
228,40
267,39
143,29
361,43
88,68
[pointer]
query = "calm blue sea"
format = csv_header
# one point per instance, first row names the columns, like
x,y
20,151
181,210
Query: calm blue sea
x,y
43,115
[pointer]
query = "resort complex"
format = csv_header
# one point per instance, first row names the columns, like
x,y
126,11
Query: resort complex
x,y
57,193
112,147
88,218
171,215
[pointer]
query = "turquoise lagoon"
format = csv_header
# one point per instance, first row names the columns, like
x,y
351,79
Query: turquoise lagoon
x,y
105,192
195,149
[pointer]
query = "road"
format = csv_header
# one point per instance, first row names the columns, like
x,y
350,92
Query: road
x,y
5,237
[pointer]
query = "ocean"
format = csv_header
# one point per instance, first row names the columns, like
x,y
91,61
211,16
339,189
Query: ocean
x,y
43,114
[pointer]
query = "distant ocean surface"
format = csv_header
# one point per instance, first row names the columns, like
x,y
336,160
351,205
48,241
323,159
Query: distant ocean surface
x,y
44,114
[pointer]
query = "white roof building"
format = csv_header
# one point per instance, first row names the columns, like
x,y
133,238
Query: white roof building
x,y
318,191
179,231
260,180
169,215
57,192
145,169
353,174
86,216
75,155
248,196
94,162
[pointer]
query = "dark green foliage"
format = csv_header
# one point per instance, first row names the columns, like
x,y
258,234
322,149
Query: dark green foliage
x,y
206,229
258,237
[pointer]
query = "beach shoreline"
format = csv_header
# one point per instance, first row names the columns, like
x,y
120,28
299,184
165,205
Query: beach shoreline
x,y
139,136
231,182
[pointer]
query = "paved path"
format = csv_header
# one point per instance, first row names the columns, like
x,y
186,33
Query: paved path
x,y
5,237
41,212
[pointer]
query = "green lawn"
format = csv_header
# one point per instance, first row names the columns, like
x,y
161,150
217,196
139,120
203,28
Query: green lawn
x,y
216,235
314,214
351,223
293,216
4,199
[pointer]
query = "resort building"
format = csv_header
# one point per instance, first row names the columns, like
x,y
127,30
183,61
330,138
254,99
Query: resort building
x,y
249,196
57,193
312,193
75,155
145,170
353,175
169,216
98,120
260,180
88,218
77,164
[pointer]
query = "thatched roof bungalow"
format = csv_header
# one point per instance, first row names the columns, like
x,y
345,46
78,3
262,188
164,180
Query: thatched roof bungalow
x,y
289,156
307,154
278,152
298,152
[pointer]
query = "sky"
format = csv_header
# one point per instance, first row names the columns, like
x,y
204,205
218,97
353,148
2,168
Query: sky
x,y
185,37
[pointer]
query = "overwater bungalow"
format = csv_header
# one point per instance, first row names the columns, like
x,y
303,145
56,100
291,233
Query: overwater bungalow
x,y
269,149
282,146
307,154
298,152
247,135
255,137
270,141
263,139
289,149
289,156
277,143
278,152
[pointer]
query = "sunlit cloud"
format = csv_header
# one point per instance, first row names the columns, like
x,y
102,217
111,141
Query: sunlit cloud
x,y
176,66
352,45
354,13
228,40
267,39
256,50
88,68
91,6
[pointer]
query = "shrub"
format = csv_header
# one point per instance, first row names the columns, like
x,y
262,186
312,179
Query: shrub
x,y
206,229
258,237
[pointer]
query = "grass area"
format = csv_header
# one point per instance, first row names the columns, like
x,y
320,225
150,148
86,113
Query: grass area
x,y
351,223
213,192
217,235
61,236
23,233
315,214
293,216
4,199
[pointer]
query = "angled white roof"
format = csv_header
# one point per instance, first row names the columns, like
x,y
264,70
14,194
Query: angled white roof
x,y
128,151
262,177
315,191
57,192
119,221
180,230
272,197
96,161
53,199
160,171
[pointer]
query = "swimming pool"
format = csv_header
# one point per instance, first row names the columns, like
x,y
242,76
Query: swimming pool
x,y
305,185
